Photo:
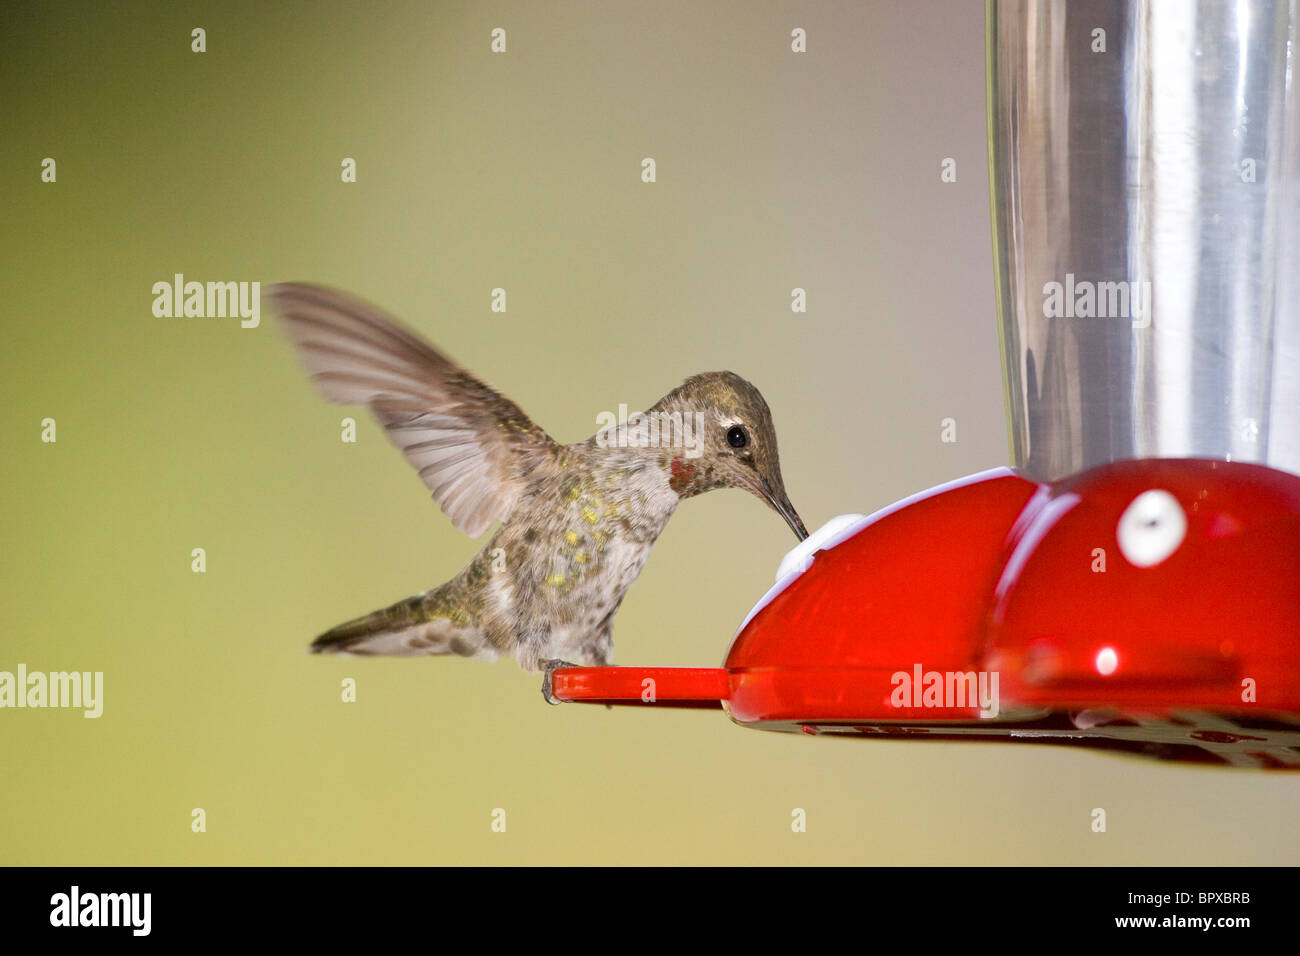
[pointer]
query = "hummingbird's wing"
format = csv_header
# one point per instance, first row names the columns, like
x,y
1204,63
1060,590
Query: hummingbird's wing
x,y
471,445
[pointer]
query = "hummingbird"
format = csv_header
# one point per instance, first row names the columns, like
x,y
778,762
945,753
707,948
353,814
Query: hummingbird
x,y
575,523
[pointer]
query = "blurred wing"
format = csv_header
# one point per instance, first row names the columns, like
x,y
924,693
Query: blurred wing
x,y
471,445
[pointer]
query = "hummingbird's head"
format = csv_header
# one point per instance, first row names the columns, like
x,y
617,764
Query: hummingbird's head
x,y
733,444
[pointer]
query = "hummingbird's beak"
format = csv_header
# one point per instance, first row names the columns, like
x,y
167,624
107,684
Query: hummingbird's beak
x,y
781,505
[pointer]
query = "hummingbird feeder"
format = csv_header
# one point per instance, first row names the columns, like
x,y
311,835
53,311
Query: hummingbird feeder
x,y
1133,582
1148,606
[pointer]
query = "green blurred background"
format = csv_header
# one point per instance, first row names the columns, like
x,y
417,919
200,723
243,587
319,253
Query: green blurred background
x,y
476,170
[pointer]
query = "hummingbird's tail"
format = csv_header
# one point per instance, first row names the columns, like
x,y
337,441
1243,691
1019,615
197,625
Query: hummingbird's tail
x,y
414,627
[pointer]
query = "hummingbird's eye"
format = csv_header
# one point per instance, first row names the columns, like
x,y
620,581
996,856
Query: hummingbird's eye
x,y
737,437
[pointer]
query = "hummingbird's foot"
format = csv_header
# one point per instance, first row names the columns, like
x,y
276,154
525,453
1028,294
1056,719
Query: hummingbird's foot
x,y
549,667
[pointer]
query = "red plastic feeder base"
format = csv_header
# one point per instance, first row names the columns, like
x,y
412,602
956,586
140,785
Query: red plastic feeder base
x,y
1148,607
